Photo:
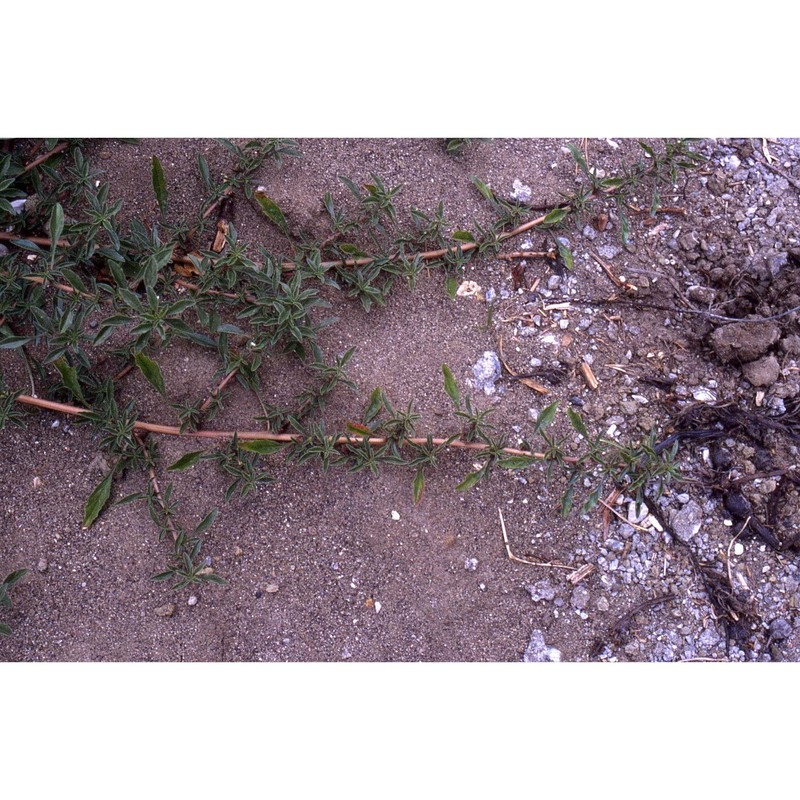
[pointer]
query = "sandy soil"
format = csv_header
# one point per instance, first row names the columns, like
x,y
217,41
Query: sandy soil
x,y
339,565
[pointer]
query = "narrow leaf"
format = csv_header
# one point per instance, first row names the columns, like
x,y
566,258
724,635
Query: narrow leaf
x,y
359,430
69,377
97,500
186,461
152,372
471,480
451,387
264,447
14,577
4,629
271,211
419,484
516,462
159,184
463,236
207,522
13,342
375,404
566,255
546,416
577,422
556,216
56,225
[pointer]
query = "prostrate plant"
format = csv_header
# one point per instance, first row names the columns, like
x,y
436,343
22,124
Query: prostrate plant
x,y
94,291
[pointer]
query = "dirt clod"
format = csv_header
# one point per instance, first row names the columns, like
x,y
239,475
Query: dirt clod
x,y
744,341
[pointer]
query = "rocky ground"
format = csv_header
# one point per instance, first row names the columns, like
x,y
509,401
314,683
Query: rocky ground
x,y
684,330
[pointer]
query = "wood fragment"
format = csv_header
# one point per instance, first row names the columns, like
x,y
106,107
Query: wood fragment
x,y
550,254
581,574
588,376
537,387
220,240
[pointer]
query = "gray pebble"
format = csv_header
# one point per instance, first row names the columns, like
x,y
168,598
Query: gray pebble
x,y
580,598
42,565
780,629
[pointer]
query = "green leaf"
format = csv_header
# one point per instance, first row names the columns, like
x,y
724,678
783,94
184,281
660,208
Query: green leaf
x,y
463,236
4,629
566,255
566,502
546,416
56,226
359,430
264,447
73,280
487,193
212,577
272,211
69,377
352,250
579,159
97,500
186,461
152,372
451,287
451,387
516,462
163,576
419,485
625,226
207,522
471,480
13,342
159,184
577,422
556,216
14,577
375,404
205,175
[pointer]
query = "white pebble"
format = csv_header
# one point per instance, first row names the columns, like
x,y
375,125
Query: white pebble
x,y
192,601
395,516
738,548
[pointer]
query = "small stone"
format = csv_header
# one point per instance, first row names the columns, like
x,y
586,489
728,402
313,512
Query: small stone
x,y
780,629
237,551
471,564
42,565
738,548
395,516
580,598
763,372
192,601
37,482
258,594
538,651
271,588
166,610
602,604
541,590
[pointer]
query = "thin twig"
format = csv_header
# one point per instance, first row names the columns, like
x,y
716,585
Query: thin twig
x,y
35,163
519,560
527,254
728,559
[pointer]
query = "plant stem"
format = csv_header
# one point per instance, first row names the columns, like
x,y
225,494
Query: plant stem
x,y
35,163
157,492
6,236
217,389
374,441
